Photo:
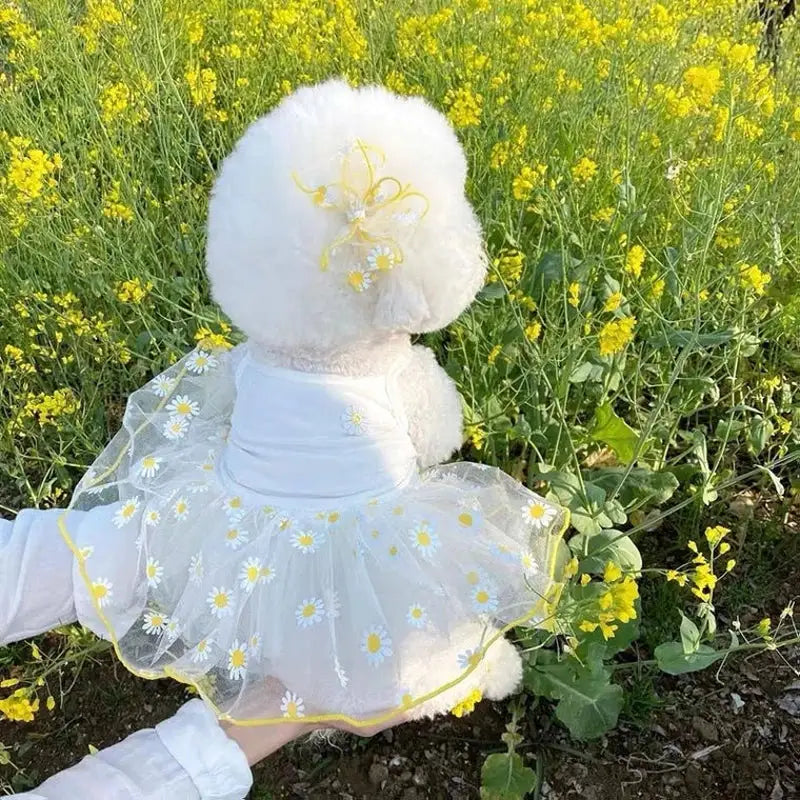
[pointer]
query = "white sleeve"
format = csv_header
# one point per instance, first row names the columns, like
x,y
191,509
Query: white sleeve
x,y
36,592
187,757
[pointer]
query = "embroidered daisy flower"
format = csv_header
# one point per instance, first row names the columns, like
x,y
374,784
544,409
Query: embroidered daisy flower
x,y
529,563
183,407
292,705
268,574
181,508
475,576
237,660
354,420
236,537
152,517
200,361
219,600
376,644
175,428
359,279
309,612
126,511
233,507
154,622
469,658
102,591
196,569
154,572
162,385
284,523
85,552
404,698
381,258
417,616
503,552
250,574
202,651
172,630
469,519
197,487
307,541
484,598
537,514
424,539
149,466
254,646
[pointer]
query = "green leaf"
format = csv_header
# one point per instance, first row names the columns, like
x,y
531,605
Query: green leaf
x,y
596,550
680,338
690,635
587,371
758,434
588,704
610,429
492,291
591,708
638,486
550,268
672,659
504,776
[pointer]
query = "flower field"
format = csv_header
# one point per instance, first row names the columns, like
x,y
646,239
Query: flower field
x,y
635,352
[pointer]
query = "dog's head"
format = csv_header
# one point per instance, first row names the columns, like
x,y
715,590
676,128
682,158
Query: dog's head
x,y
341,217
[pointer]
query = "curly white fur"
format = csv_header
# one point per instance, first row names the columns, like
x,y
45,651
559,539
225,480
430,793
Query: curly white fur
x,y
265,237
433,408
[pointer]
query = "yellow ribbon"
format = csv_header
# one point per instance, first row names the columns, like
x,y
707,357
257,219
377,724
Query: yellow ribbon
x,y
370,206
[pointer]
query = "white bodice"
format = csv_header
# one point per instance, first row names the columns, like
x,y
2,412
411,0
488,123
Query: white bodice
x,y
300,438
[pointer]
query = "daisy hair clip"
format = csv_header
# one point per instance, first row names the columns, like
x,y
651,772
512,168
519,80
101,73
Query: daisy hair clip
x,y
377,212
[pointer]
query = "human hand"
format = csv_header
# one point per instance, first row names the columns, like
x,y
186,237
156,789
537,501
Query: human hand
x,y
259,741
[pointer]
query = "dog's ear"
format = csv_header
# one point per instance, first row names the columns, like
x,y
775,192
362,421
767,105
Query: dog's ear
x,y
401,304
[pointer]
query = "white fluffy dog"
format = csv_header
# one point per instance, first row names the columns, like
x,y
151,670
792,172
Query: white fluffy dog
x,y
264,244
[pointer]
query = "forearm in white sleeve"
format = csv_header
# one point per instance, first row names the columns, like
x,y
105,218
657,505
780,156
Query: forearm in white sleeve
x,y
187,757
36,590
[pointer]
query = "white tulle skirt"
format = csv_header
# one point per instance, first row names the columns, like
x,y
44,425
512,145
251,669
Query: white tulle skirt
x,y
278,612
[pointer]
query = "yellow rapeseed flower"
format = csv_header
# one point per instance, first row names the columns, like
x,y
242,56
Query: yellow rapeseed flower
x,y
615,335
753,278
584,170
716,534
613,302
508,267
19,707
533,331
464,107
574,292
634,260
133,291
467,705
702,83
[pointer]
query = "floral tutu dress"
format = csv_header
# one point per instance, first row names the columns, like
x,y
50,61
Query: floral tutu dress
x,y
253,526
